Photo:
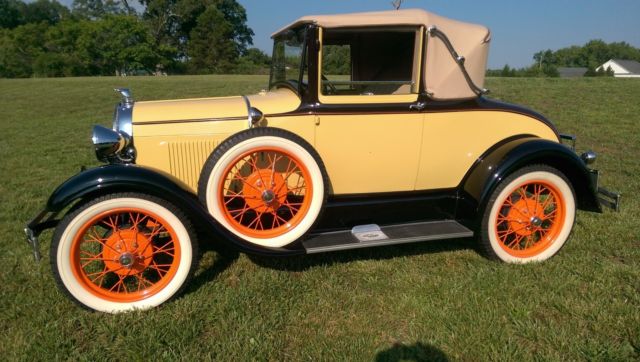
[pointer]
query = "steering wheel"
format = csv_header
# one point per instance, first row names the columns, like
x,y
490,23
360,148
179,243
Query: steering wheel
x,y
327,87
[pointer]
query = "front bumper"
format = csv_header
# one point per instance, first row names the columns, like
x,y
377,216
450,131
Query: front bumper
x,y
44,220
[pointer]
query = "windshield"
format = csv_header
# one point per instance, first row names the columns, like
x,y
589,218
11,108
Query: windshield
x,y
288,68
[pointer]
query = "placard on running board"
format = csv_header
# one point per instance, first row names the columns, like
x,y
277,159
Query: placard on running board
x,y
363,236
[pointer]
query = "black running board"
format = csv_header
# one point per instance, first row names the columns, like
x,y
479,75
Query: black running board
x,y
365,236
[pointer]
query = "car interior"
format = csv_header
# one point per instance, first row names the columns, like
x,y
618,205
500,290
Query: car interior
x,y
368,61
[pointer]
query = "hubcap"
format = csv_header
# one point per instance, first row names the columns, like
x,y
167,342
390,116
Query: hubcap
x,y
128,251
265,190
268,196
536,221
126,260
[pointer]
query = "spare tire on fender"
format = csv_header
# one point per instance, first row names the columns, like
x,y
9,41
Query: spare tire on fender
x,y
265,185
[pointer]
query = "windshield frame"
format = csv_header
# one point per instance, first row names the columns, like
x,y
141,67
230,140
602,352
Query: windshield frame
x,y
278,66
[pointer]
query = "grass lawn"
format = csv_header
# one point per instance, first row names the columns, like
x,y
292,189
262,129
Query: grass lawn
x,y
436,300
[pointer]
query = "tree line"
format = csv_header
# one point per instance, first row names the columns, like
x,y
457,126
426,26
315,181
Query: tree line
x,y
590,56
110,37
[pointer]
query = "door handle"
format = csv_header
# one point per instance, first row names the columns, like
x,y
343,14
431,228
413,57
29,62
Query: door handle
x,y
418,106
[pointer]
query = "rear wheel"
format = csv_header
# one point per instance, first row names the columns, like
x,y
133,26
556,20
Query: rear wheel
x,y
267,186
529,216
123,252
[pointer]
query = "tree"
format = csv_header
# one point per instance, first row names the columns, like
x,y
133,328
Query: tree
x,y
98,9
61,51
14,13
236,15
117,45
544,58
48,11
211,48
507,71
253,61
11,13
610,72
179,27
336,59
19,48
592,54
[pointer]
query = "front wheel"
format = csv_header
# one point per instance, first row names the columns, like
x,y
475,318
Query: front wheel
x,y
529,216
122,252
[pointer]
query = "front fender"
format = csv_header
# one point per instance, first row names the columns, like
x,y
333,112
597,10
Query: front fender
x,y
120,178
115,178
508,156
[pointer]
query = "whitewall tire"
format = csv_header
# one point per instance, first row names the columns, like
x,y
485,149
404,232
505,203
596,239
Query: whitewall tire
x,y
529,216
123,252
267,186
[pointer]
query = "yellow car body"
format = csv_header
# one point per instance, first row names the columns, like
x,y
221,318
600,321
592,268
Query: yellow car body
x,y
374,130
363,153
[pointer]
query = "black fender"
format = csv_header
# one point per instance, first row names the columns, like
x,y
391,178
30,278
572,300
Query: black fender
x,y
519,151
114,178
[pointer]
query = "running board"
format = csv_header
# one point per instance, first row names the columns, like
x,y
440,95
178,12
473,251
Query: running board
x,y
365,236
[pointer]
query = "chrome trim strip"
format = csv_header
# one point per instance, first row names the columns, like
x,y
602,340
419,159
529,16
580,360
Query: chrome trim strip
x,y
190,120
249,115
122,119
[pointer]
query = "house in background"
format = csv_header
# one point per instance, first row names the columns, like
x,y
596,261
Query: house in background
x,y
573,72
622,68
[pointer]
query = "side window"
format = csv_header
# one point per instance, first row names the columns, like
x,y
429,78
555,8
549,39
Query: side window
x,y
378,61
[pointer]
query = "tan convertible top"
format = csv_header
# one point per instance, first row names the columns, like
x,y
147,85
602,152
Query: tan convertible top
x,y
444,77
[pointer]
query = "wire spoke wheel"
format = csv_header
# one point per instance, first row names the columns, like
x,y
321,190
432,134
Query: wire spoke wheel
x,y
265,192
265,185
529,216
123,251
530,219
125,255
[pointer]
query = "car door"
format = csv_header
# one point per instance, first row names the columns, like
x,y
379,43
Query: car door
x,y
368,137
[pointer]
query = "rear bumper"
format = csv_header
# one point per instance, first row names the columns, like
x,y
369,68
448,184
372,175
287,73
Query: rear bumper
x,y
609,199
606,198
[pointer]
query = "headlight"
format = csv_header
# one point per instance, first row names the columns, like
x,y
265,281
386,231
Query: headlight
x,y
111,145
116,145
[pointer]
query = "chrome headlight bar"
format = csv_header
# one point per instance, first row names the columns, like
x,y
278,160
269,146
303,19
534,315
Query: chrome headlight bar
x,y
116,145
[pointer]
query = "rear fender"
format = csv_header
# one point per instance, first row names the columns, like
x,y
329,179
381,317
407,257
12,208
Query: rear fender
x,y
517,152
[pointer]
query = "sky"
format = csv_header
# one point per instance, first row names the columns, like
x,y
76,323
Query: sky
x,y
519,28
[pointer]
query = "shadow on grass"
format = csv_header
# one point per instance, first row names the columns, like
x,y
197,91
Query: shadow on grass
x,y
304,262
415,352
226,256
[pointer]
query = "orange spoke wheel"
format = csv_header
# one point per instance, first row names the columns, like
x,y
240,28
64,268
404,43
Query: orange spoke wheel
x,y
265,192
529,215
530,218
125,254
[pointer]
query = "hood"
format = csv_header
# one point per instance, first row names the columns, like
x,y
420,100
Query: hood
x,y
272,102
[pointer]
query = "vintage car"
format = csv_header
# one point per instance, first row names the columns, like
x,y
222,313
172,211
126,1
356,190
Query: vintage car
x,y
403,147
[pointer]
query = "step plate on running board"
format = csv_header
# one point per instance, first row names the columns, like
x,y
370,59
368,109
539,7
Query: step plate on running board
x,y
364,236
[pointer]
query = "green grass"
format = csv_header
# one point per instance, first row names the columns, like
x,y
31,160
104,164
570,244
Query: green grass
x,y
435,299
